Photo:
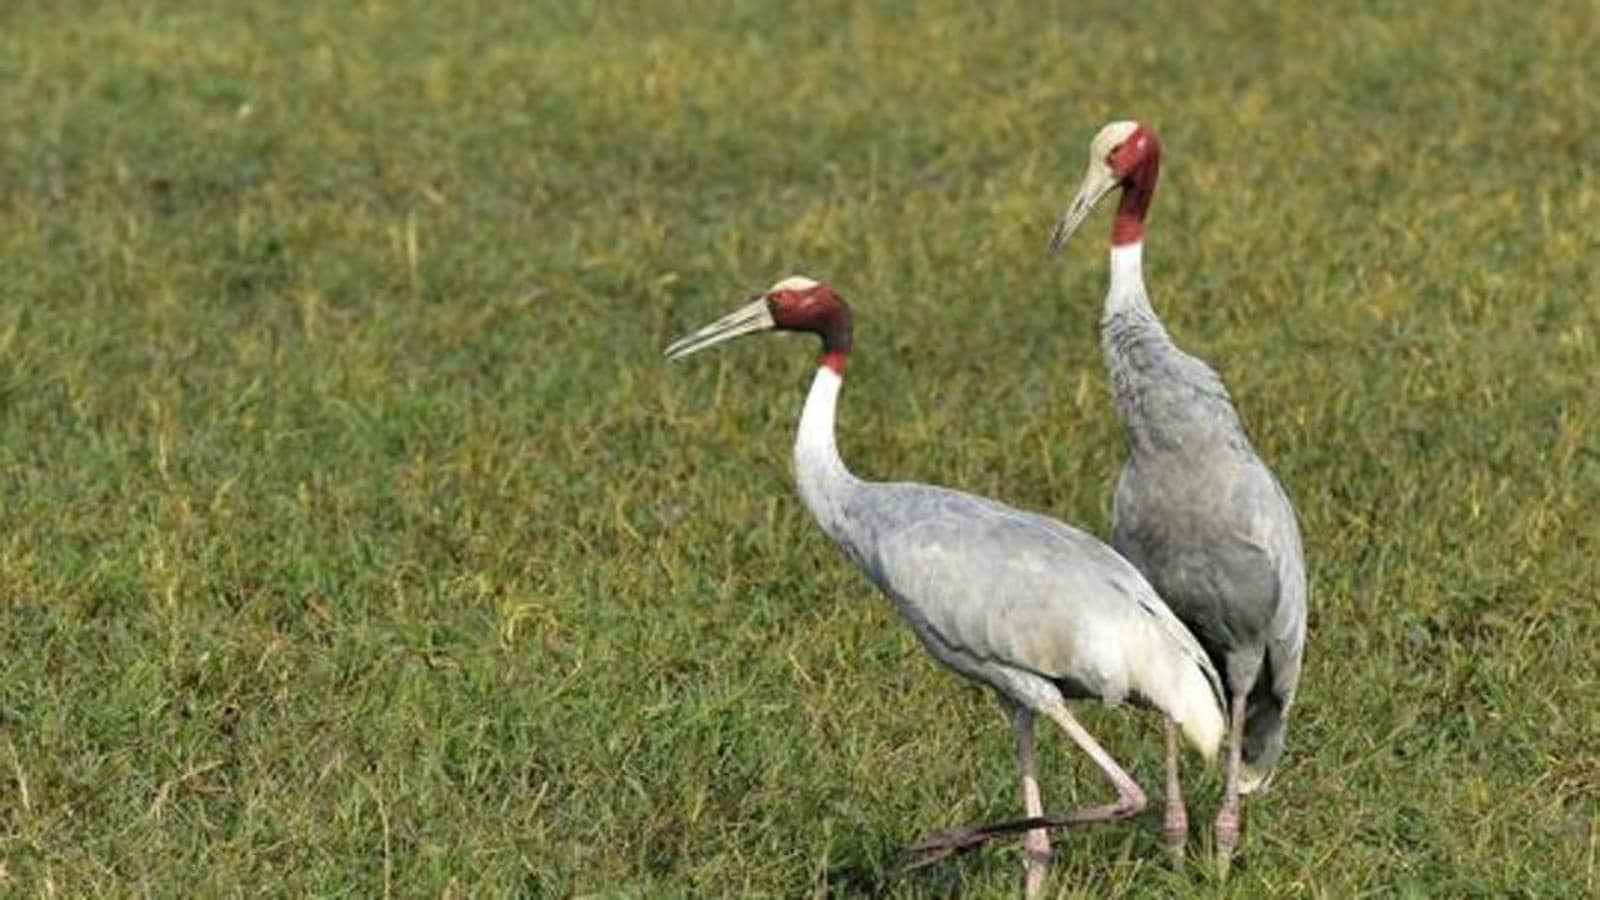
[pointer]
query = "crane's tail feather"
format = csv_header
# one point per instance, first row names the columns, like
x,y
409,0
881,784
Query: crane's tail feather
x,y
1178,678
1198,713
1252,779
1264,727
1171,670
1183,685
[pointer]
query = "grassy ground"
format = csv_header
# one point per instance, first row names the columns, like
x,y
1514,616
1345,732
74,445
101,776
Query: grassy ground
x,y
356,539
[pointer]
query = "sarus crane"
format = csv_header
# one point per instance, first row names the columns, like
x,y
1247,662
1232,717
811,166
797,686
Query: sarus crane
x,y
1196,510
1035,609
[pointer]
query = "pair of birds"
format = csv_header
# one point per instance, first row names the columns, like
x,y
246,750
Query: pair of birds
x,y
1199,612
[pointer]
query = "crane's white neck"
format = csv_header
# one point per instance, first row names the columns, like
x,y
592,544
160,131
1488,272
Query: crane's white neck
x,y
1127,279
820,473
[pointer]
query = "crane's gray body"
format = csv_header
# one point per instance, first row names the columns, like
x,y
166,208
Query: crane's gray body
x,y
1027,605
1007,597
1204,519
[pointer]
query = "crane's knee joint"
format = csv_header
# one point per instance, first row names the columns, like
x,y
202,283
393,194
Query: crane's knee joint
x,y
1133,800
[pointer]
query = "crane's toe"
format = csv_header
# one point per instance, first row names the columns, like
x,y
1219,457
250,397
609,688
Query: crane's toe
x,y
949,843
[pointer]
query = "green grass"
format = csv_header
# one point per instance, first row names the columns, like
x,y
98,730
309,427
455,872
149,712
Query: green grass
x,y
356,538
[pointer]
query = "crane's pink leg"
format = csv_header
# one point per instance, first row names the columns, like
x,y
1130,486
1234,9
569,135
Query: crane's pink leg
x,y
1175,824
1036,843
1130,797
1130,801
1227,828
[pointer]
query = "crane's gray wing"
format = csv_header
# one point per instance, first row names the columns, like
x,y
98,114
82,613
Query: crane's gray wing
x,y
1286,634
1222,550
998,584
1282,641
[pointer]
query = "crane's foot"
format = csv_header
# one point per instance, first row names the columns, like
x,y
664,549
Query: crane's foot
x,y
1175,831
1230,816
1175,822
1227,834
1035,862
1033,877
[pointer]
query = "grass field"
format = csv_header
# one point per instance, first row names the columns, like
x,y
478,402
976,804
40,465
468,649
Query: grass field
x,y
356,539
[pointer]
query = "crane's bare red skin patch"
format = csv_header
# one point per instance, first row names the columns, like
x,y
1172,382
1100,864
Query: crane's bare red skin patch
x,y
822,312
1137,163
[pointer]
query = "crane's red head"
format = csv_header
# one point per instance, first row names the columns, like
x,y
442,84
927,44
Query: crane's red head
x,y
1125,155
796,303
1134,149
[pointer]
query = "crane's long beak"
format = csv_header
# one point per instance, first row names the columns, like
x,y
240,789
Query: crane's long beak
x,y
1096,183
751,317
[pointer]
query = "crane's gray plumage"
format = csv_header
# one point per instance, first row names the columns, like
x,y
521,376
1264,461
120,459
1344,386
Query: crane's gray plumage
x,y
1027,605
1033,608
1207,522
1196,509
